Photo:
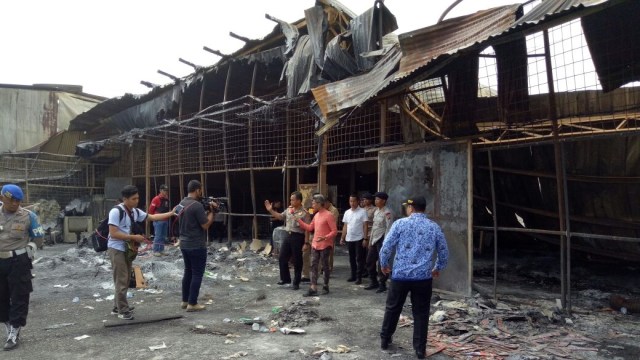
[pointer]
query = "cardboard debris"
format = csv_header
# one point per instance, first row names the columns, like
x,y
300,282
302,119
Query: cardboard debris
x,y
341,349
256,245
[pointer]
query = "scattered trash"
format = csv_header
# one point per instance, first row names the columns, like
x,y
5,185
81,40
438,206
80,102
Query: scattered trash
x,y
81,337
623,310
251,321
244,278
287,331
256,245
404,321
60,286
58,326
226,320
237,355
153,291
568,321
76,299
209,302
229,341
110,297
99,300
437,316
276,309
130,295
264,329
89,307
158,347
326,356
255,327
210,275
226,277
96,295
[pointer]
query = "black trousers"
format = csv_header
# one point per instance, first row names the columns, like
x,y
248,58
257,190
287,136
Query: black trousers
x,y
373,255
420,304
357,257
15,287
291,248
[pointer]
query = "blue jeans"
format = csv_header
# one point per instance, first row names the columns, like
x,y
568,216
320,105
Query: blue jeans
x,y
194,263
160,229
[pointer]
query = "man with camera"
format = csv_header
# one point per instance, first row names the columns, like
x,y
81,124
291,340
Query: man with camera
x,y
195,218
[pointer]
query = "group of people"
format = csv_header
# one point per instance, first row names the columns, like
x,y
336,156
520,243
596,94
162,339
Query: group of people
x,y
368,230
372,238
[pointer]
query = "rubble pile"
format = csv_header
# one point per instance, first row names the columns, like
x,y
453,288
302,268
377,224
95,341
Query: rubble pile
x,y
48,212
298,314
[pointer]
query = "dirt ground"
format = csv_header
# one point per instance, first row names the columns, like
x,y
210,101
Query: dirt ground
x,y
345,323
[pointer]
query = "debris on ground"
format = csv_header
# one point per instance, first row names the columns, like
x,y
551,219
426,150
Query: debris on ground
x,y
298,314
158,347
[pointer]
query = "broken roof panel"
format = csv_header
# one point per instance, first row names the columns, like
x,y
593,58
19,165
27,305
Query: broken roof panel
x,y
552,8
365,30
333,98
421,47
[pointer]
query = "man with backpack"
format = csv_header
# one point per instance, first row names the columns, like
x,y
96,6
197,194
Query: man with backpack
x,y
124,236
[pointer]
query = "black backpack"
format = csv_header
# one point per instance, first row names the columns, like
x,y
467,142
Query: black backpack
x,y
100,237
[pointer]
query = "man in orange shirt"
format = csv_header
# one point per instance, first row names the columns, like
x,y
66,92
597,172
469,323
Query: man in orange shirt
x,y
324,227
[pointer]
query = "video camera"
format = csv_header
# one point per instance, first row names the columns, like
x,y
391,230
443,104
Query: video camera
x,y
221,201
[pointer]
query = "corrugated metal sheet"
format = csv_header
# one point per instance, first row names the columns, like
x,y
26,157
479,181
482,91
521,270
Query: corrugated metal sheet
x,y
549,8
421,47
335,97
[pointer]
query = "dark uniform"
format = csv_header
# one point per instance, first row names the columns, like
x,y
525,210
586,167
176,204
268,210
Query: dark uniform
x,y
16,228
291,247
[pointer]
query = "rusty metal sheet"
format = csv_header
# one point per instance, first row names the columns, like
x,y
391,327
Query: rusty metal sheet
x,y
421,47
338,96
550,8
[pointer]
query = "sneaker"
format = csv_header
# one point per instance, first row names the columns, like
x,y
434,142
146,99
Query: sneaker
x,y
184,305
385,342
310,292
12,339
115,311
358,282
126,316
325,289
196,307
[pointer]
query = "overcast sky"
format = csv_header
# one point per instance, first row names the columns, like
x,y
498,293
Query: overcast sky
x,y
109,46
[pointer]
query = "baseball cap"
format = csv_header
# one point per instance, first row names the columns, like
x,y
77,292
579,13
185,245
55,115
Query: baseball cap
x,y
12,191
418,201
381,195
367,196
164,187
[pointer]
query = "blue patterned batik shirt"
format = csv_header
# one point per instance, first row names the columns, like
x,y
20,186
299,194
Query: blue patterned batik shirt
x,y
414,239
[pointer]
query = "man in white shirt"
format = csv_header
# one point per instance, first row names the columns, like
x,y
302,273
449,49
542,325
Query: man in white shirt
x,y
354,229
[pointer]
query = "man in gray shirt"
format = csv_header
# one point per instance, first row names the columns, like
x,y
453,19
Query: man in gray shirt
x,y
194,223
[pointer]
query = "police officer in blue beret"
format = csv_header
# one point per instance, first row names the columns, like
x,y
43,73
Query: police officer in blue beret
x,y
17,226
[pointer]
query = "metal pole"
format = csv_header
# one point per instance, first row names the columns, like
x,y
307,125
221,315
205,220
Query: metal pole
x,y
227,181
568,227
251,175
494,213
557,157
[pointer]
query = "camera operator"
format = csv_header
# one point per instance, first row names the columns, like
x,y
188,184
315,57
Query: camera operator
x,y
195,220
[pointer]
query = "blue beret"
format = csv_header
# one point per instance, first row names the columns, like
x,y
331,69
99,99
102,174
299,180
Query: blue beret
x,y
12,191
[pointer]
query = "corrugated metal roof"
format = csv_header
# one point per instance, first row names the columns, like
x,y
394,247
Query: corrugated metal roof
x,y
549,8
337,96
421,47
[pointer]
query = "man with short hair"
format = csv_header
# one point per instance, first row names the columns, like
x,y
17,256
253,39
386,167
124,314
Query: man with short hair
x,y
291,247
414,240
160,204
122,222
195,221
324,231
382,220
354,229
17,226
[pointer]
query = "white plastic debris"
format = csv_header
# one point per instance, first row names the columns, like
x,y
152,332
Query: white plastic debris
x,y
60,286
96,295
229,341
89,307
110,297
226,320
237,355
76,299
437,316
158,347
255,327
292,331
81,337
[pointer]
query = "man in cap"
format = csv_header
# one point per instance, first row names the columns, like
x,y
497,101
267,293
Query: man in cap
x,y
414,240
382,220
160,204
17,226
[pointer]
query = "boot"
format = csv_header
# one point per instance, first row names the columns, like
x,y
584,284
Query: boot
x,y
358,281
352,278
12,339
373,285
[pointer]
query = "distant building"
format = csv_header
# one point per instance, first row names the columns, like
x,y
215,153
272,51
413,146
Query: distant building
x,y
31,114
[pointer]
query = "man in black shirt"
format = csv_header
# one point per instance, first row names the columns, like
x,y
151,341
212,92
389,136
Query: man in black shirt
x,y
194,223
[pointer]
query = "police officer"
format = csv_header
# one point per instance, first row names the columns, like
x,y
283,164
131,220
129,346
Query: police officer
x,y
17,226
291,247
382,219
